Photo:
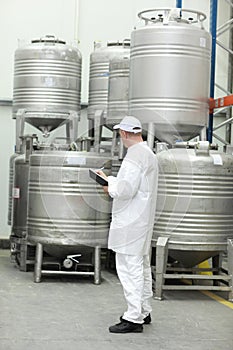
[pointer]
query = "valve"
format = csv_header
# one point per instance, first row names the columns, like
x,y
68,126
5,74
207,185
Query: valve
x,y
67,263
70,259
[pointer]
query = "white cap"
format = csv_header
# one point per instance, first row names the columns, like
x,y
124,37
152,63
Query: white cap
x,y
130,124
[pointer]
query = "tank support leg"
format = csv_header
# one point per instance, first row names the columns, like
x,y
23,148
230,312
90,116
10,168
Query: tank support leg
x,y
91,128
97,266
114,143
72,126
23,255
203,134
38,262
20,123
151,135
230,266
161,265
216,265
99,120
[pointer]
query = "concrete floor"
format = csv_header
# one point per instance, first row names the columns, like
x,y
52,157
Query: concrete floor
x,y
72,313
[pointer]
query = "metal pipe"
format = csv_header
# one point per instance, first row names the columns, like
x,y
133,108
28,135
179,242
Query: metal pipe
x,y
224,47
230,80
97,267
6,102
121,150
223,31
229,128
59,272
151,135
220,139
226,24
203,134
229,2
38,263
227,92
223,123
221,110
213,29
76,20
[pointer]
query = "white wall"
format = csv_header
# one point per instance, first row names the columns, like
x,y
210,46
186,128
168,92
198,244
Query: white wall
x,y
85,21
26,20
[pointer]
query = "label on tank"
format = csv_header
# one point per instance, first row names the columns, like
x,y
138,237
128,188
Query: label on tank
x,y
76,160
217,159
16,192
48,81
203,42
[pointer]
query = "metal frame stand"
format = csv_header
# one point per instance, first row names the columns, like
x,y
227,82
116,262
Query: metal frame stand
x,y
38,271
72,126
25,255
98,126
20,124
222,279
71,122
22,252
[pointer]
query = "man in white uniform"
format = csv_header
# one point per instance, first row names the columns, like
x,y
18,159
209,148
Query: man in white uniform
x,y
134,197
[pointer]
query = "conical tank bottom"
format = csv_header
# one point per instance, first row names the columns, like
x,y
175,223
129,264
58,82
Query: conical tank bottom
x,y
46,122
170,131
61,251
176,133
191,258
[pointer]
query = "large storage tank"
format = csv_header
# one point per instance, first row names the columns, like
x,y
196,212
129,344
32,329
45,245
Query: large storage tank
x,y
99,73
65,206
195,203
47,81
169,73
118,90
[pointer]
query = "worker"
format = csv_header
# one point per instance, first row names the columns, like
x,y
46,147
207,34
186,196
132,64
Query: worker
x,y
134,192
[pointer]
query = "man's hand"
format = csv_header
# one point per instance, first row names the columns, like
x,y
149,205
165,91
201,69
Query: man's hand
x,y
105,188
101,173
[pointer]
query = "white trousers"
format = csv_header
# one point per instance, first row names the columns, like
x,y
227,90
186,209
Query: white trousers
x,y
134,273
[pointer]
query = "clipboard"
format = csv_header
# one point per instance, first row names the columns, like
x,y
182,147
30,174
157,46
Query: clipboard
x,y
98,178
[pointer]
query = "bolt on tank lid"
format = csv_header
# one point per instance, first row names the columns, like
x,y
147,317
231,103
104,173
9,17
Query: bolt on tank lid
x,y
48,39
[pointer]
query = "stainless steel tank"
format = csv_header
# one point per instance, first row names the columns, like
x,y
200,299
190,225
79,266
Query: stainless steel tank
x,y
169,73
195,203
118,90
47,81
99,73
65,206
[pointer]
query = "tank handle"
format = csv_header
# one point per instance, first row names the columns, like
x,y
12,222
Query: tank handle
x,y
50,39
172,13
126,42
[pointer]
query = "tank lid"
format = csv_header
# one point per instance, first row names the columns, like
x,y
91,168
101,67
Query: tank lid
x,y
167,15
48,39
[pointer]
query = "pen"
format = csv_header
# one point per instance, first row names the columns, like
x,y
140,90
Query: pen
x,y
102,168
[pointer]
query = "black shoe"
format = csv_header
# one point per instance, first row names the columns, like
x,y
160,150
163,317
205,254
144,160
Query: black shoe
x,y
146,319
126,327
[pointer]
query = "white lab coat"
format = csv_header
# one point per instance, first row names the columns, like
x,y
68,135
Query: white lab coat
x,y
134,198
